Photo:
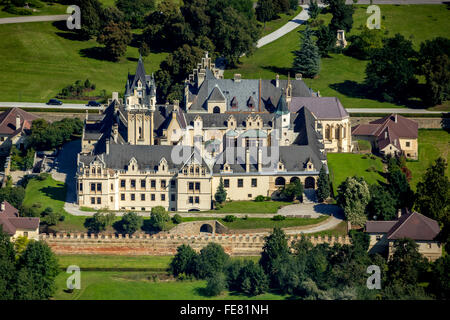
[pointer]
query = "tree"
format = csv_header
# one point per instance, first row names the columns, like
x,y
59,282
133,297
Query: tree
x,y
115,37
253,281
129,223
215,284
406,264
440,278
307,60
196,15
265,11
7,267
275,248
434,64
14,195
363,45
41,266
184,261
91,22
353,197
323,185
342,15
400,188
159,218
221,193
326,40
293,190
234,35
99,221
390,71
212,259
433,192
382,206
314,10
135,10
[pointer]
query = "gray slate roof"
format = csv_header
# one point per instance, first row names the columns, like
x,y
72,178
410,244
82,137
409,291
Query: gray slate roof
x,y
321,107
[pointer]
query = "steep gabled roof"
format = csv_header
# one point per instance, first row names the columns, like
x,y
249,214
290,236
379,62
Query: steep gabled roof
x,y
216,95
414,226
8,121
321,107
10,220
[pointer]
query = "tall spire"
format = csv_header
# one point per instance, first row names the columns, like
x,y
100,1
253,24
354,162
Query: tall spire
x,y
282,107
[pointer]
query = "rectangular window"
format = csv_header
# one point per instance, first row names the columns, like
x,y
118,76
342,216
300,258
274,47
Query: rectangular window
x,y
112,199
133,197
163,184
122,196
163,197
197,186
197,200
133,183
25,233
142,197
226,183
81,187
112,186
99,187
240,183
254,183
172,197
122,183
172,183
153,183
191,199
92,200
93,187
143,183
408,144
152,197
99,200
191,186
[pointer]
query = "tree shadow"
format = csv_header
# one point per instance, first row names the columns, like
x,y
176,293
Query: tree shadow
x,y
351,88
132,59
97,53
67,33
55,193
278,70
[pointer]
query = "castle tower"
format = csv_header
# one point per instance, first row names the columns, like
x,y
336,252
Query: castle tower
x,y
283,120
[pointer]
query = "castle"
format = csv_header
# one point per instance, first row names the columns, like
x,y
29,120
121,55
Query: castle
x,y
255,135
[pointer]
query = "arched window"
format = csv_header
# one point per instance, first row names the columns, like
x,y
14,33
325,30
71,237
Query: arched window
x,y
328,132
280,181
216,109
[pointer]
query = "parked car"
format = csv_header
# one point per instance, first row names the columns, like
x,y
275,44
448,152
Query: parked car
x,y
93,103
54,102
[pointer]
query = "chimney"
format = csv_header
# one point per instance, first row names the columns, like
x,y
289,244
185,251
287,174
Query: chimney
x,y
259,159
107,146
298,76
247,160
176,105
277,81
115,96
399,213
395,118
2,206
385,134
237,77
17,122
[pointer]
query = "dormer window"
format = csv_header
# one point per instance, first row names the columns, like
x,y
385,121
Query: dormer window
x,y
234,103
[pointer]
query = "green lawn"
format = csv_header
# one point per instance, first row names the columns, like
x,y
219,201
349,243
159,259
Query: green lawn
x,y
340,74
47,9
432,144
138,286
339,230
38,60
122,262
48,192
273,25
343,165
251,207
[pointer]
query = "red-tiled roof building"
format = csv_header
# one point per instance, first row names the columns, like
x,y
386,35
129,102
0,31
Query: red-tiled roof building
x,y
413,225
14,124
16,226
393,134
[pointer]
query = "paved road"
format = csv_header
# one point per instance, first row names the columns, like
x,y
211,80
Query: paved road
x,y
45,106
26,19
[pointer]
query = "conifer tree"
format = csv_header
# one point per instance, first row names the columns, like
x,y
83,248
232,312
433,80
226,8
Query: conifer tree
x,y
307,59
323,185
221,193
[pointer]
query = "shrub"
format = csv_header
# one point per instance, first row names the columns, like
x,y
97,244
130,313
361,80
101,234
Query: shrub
x,y
215,284
184,263
260,198
62,218
278,217
212,259
229,218
159,218
129,223
177,219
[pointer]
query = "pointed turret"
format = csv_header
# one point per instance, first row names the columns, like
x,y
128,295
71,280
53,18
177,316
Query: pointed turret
x,y
282,107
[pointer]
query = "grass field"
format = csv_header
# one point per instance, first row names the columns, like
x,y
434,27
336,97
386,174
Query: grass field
x,y
47,9
432,144
38,60
48,192
273,25
343,165
112,285
340,74
251,207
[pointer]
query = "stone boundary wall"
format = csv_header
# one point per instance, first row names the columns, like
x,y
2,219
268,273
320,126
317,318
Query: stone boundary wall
x,y
424,123
145,244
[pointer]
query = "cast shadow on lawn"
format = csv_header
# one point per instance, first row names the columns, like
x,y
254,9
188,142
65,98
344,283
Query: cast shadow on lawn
x,y
67,33
278,70
97,53
55,193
